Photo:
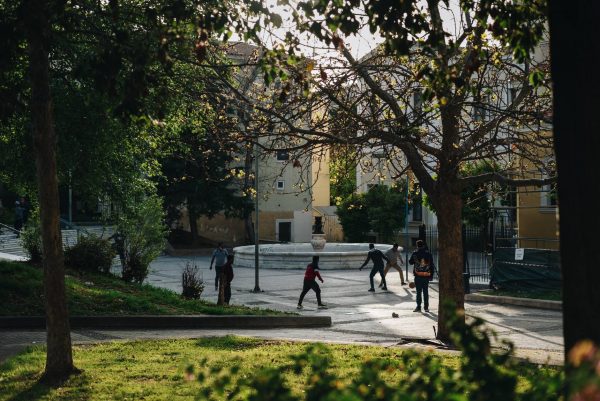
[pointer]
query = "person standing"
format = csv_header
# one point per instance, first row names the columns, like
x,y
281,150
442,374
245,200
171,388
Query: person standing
x,y
25,206
393,256
18,217
228,277
423,268
377,257
219,258
310,282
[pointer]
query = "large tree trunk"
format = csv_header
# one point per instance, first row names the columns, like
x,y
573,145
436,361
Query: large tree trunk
x,y
575,52
449,205
59,358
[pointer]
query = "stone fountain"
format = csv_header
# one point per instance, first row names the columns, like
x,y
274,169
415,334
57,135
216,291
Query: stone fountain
x,y
298,255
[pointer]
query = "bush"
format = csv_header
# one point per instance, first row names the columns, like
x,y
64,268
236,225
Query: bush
x,y
91,253
380,210
482,375
31,237
191,282
140,237
584,378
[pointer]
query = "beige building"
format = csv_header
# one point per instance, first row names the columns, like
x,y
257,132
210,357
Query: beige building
x,y
291,188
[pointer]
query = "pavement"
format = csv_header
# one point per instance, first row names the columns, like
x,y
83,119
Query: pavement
x,y
358,316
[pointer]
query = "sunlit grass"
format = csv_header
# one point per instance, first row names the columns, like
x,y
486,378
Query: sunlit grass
x,y
21,294
156,370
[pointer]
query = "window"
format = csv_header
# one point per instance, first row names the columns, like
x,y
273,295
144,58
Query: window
x,y
549,192
417,102
280,185
481,106
512,95
479,112
283,155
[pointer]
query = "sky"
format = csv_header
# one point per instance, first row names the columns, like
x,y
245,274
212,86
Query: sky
x,y
359,44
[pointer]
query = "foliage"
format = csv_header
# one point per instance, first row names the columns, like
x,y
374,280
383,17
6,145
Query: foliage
x,y
476,206
476,209
198,162
192,282
94,294
342,174
354,218
141,230
380,210
584,371
90,253
481,375
31,237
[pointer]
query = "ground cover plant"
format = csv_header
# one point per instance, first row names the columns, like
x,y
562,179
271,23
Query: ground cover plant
x,y
21,294
549,295
263,370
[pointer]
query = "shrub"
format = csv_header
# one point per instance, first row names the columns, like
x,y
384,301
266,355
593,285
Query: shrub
x,y
191,282
584,378
380,210
91,253
141,232
31,237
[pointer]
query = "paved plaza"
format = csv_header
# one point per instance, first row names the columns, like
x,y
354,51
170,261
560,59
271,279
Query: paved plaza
x,y
358,316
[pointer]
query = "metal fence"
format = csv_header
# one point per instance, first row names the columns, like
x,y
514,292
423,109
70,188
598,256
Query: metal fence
x,y
478,247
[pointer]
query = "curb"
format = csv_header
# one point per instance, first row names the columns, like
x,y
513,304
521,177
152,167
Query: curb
x,y
172,322
526,302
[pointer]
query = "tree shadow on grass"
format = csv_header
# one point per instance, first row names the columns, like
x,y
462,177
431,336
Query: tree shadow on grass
x,y
76,387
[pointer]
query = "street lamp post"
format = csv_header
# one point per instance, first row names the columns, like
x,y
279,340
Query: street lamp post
x,y
256,231
406,226
243,123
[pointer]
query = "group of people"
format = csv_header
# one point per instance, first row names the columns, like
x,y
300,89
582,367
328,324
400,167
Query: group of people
x,y
423,270
421,260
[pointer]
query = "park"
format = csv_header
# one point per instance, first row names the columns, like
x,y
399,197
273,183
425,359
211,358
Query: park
x,y
298,200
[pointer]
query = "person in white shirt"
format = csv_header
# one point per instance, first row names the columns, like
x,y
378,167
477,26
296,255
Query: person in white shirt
x,y
394,255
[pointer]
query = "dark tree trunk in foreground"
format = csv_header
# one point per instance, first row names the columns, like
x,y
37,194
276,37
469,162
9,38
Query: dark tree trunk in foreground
x,y
449,206
59,358
575,54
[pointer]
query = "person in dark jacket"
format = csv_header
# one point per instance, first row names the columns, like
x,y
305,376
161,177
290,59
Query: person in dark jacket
x,y
228,273
377,257
219,258
423,268
310,282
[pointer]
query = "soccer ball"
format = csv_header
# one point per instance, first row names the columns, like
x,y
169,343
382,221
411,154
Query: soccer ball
x,y
411,284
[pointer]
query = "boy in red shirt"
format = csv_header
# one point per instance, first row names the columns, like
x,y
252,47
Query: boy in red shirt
x,y
310,282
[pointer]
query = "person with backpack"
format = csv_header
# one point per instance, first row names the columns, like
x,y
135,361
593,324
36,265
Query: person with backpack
x,y
219,258
423,269
377,257
310,283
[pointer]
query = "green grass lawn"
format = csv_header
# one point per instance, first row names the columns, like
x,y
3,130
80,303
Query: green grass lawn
x,y
21,294
548,295
156,370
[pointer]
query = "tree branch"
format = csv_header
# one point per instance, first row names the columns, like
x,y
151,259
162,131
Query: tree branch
x,y
497,177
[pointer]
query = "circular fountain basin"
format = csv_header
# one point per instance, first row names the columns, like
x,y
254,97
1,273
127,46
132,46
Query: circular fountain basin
x,y
298,255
